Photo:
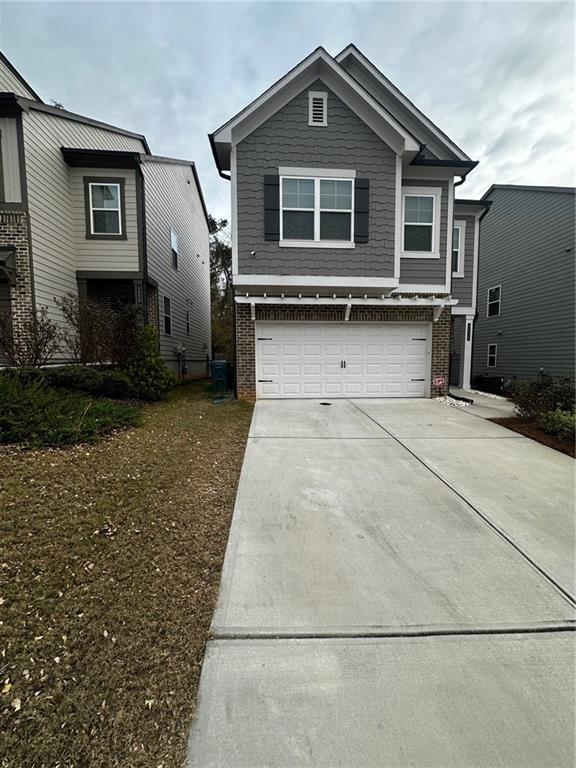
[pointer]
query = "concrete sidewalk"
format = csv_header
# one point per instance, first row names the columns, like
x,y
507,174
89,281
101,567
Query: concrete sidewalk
x,y
395,592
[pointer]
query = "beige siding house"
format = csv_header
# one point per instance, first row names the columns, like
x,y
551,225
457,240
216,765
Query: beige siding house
x,y
86,210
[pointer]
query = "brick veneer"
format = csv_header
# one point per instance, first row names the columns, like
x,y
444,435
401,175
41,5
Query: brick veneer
x,y
245,336
14,232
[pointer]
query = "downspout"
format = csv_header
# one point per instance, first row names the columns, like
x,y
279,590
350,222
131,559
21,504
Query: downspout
x,y
144,243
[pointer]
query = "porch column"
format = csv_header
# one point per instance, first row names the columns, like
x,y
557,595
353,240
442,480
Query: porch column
x,y
467,368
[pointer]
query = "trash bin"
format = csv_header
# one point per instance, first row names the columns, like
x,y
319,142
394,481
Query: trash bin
x,y
219,371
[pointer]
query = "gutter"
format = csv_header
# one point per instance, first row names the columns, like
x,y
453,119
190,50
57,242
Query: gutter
x,y
216,159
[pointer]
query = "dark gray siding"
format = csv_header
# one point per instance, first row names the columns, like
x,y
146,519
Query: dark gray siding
x,y
462,286
428,271
527,246
346,142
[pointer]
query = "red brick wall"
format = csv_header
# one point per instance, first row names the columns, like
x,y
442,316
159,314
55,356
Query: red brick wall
x,y
246,337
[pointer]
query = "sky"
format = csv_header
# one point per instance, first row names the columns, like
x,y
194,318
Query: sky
x,y
497,77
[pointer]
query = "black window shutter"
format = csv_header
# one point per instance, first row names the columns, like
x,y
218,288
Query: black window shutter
x,y
361,209
271,208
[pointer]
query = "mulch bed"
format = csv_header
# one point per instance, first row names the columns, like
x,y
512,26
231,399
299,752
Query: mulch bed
x,y
530,428
110,560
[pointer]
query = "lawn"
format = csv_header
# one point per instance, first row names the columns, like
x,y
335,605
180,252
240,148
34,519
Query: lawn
x,y
110,559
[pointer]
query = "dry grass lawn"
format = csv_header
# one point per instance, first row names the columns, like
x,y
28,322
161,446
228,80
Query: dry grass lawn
x,y
110,558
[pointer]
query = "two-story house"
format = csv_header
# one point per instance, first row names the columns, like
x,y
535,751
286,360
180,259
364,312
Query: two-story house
x,y
347,267
87,211
526,294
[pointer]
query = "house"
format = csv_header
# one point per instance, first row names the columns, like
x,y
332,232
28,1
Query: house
x,y
346,270
526,294
87,211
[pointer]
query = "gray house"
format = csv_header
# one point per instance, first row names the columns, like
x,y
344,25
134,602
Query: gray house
x,y
352,259
86,210
526,292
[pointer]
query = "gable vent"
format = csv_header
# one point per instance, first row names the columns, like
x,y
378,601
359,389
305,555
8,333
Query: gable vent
x,y
317,108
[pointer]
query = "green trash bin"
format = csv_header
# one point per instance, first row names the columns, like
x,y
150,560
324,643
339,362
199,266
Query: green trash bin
x,y
219,372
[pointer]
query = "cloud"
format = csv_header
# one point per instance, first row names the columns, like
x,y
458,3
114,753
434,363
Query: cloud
x,y
496,77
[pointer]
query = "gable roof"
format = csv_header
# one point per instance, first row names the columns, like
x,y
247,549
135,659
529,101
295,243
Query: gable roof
x,y
18,76
319,64
419,119
529,188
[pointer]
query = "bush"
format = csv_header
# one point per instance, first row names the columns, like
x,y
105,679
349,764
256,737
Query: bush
x,y
25,375
542,395
561,424
492,384
35,416
77,378
116,384
149,375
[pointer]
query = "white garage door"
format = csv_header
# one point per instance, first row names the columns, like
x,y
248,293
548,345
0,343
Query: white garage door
x,y
342,359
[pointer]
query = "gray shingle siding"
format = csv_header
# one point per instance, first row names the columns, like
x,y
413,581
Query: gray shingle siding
x,y
346,142
428,271
462,286
523,247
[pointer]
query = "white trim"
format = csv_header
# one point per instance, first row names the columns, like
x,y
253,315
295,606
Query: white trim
x,y
436,194
421,288
322,66
493,288
345,300
351,50
398,218
494,355
463,311
317,95
234,209
316,243
320,173
316,281
460,225
118,210
467,364
449,219
317,211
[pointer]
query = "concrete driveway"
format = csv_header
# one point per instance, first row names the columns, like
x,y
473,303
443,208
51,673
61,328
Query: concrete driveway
x,y
396,592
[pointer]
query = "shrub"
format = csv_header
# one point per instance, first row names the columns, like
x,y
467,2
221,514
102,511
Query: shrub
x,y
542,395
35,416
78,378
37,340
149,375
25,375
561,424
116,384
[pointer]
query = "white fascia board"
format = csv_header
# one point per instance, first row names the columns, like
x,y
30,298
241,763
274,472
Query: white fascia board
x,y
314,281
463,311
359,56
421,288
398,225
234,209
374,301
318,65
426,172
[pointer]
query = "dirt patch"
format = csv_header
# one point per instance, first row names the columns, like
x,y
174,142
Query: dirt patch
x,y
530,428
110,560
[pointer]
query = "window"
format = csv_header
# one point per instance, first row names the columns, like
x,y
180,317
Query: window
x,y
317,108
316,210
105,209
167,316
491,360
421,235
493,301
458,244
187,322
174,247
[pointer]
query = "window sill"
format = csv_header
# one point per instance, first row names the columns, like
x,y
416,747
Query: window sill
x,y
457,274
316,244
419,255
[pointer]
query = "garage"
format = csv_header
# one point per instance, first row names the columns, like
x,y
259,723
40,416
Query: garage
x,y
316,360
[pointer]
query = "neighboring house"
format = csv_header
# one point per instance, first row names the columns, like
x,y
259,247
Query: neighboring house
x,y
343,244
86,210
526,292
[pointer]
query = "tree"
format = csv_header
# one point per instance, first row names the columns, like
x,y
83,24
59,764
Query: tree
x,y
221,290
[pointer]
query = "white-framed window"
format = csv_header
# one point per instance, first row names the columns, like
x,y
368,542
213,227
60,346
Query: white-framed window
x,y
493,301
421,222
167,316
174,248
492,355
317,211
317,108
105,208
458,245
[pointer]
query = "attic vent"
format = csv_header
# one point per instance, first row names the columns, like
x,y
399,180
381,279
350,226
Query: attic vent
x,y
317,108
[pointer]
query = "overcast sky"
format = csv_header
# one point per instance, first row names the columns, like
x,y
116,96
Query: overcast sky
x,y
497,77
